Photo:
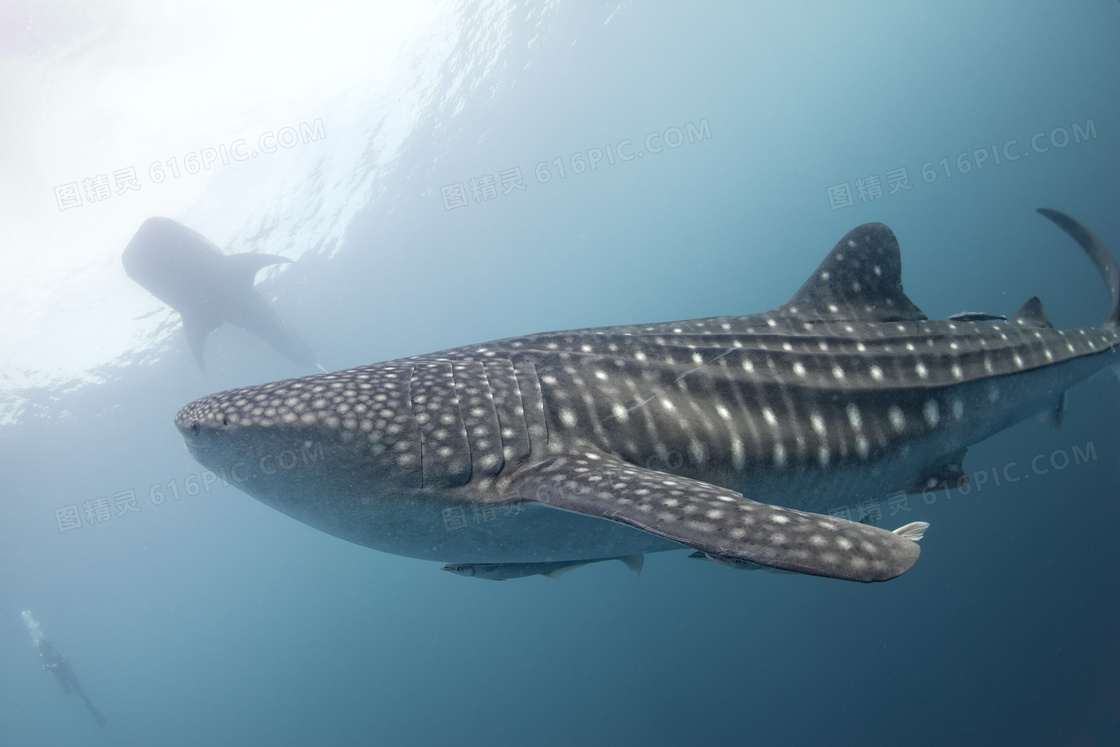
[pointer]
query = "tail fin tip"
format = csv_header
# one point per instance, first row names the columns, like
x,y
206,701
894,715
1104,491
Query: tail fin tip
x,y
1098,253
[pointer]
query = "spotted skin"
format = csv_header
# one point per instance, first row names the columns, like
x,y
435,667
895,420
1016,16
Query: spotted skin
x,y
728,435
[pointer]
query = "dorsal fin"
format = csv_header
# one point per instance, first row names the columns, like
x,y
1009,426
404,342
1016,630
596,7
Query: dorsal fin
x,y
1032,315
860,280
1097,252
244,267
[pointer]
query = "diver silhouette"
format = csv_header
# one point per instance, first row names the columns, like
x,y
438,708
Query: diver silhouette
x,y
54,663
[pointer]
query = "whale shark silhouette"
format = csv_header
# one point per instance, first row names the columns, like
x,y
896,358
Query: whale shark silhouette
x,y
182,268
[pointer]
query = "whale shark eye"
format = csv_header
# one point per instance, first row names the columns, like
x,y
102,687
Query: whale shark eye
x,y
225,420
195,428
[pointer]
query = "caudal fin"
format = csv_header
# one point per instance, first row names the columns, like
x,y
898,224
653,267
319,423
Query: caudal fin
x,y
1097,252
913,531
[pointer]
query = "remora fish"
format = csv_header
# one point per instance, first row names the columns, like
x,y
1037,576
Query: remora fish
x,y
540,449
506,571
187,272
976,316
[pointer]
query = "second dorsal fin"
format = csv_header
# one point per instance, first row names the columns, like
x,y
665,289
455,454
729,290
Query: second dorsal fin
x,y
1032,315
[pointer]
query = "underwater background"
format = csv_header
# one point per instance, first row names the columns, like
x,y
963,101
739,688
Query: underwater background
x,y
445,173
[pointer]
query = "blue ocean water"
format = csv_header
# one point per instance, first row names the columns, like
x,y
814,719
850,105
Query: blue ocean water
x,y
733,144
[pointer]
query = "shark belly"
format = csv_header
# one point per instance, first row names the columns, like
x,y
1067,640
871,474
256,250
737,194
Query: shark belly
x,y
457,526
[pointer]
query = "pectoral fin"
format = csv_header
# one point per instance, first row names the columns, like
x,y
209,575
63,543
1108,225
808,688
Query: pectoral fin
x,y
197,329
719,522
944,473
1055,415
634,563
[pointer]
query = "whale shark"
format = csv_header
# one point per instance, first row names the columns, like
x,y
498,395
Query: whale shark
x,y
182,268
731,436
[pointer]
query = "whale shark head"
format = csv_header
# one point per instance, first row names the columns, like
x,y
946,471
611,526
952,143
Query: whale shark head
x,y
337,433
